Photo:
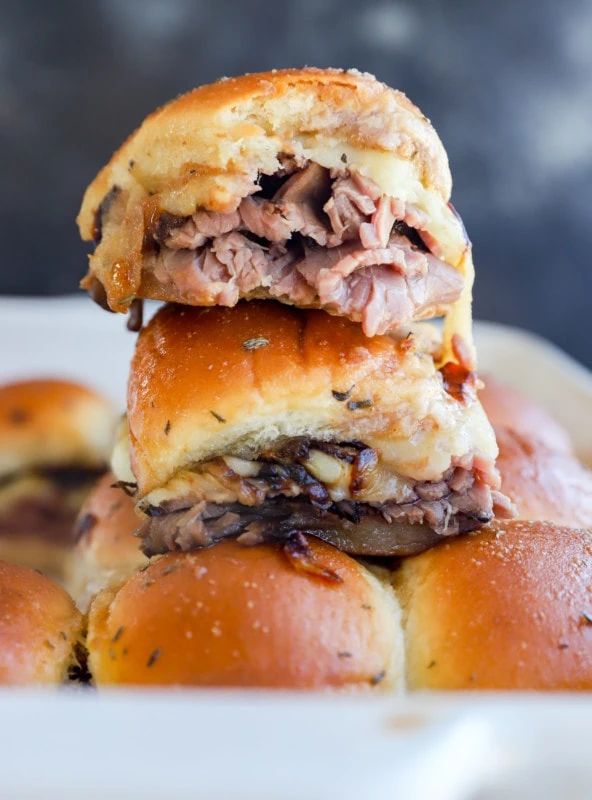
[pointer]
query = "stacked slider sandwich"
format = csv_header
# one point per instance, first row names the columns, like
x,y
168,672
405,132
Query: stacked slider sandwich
x,y
55,439
298,225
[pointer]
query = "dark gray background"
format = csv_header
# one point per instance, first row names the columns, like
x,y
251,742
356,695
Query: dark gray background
x,y
507,83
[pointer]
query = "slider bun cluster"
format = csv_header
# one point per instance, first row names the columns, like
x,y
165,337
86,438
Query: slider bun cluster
x,y
311,496
506,608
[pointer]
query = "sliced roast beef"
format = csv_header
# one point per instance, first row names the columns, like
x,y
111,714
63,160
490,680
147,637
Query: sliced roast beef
x,y
281,519
280,498
383,288
322,239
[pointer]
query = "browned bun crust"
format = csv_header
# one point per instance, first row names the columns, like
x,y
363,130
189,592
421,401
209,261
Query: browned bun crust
x,y
502,609
106,549
263,113
52,423
544,483
506,407
206,149
39,628
205,382
239,616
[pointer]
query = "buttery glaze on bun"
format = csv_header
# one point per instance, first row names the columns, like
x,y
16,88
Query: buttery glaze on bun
x,y
53,423
542,482
508,408
40,628
106,550
208,153
250,617
205,382
507,608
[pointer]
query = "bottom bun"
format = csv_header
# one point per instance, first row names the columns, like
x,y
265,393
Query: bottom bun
x,y
262,616
509,608
40,628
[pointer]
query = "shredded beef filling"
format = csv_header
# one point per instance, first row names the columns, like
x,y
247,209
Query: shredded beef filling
x,y
314,238
283,499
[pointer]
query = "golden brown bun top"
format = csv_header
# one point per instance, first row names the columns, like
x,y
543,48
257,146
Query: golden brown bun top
x,y
39,627
53,423
510,608
205,382
245,616
543,483
199,149
508,408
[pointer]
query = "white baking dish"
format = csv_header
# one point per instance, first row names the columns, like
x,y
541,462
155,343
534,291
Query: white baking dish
x,y
274,746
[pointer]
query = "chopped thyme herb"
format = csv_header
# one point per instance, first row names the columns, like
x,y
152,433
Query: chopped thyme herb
x,y
344,654
344,158
376,679
342,396
131,164
587,616
563,645
366,607
167,427
431,664
170,568
64,636
255,344
117,634
217,416
153,657
353,405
